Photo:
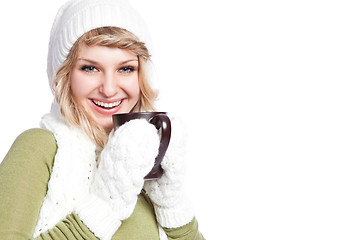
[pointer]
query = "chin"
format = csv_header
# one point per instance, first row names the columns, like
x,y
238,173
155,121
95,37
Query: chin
x,y
107,125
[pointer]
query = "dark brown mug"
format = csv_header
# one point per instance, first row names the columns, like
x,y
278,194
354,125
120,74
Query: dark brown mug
x,y
162,122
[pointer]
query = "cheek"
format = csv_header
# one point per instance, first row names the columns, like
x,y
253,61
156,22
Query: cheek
x,y
79,87
136,92
133,89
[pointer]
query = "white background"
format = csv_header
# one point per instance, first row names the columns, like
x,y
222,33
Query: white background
x,y
270,93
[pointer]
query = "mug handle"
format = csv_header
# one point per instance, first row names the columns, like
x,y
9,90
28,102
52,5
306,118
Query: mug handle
x,y
160,121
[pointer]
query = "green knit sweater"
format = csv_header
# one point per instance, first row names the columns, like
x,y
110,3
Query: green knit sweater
x,y
24,175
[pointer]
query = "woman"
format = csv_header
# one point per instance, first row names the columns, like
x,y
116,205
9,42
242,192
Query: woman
x,y
76,178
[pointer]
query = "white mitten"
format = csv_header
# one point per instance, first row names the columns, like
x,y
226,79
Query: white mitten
x,y
171,205
126,159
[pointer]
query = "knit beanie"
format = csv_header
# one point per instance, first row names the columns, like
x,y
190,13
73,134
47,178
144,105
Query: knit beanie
x,y
77,17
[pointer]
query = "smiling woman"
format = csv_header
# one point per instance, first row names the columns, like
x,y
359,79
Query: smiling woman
x,y
106,65
105,81
77,177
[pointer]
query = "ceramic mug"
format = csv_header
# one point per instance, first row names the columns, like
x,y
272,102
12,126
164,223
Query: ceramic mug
x,y
162,123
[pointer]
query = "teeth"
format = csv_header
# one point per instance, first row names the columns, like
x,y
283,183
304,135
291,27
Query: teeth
x,y
107,105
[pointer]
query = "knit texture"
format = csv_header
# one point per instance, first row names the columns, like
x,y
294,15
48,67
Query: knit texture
x,y
77,17
73,171
102,196
171,205
126,159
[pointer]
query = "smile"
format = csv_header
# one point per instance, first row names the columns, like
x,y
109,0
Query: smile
x,y
106,105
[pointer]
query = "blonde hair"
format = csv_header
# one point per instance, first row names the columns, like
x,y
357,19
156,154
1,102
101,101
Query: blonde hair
x,y
110,37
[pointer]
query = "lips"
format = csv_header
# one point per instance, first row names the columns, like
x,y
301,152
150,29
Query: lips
x,y
107,108
107,105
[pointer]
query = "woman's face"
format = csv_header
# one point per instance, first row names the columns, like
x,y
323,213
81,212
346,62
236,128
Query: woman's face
x,y
105,81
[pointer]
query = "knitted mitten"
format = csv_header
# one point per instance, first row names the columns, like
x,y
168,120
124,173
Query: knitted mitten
x,y
171,205
126,159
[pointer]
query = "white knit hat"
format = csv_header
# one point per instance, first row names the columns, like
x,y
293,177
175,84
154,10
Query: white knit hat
x,y
77,17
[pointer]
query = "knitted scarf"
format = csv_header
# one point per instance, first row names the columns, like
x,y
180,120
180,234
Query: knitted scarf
x,y
72,173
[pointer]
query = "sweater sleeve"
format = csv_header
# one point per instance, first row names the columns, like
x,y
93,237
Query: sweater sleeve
x,y
24,175
70,228
188,232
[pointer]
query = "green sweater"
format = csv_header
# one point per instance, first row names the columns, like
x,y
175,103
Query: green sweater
x,y
24,175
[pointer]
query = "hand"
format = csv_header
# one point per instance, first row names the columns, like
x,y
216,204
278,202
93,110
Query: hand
x,y
171,206
125,160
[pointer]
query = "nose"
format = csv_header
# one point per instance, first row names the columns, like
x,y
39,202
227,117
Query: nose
x,y
109,85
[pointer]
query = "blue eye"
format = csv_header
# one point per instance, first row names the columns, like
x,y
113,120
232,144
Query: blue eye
x,y
127,69
88,68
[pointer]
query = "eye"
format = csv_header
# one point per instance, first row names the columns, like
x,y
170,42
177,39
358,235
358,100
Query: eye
x,y
127,69
88,68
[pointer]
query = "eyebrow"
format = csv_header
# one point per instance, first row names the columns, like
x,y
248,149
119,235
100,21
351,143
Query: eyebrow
x,y
94,62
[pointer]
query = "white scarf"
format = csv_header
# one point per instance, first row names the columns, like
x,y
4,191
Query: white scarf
x,y
72,173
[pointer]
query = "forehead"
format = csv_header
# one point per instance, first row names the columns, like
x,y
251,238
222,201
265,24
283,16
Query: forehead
x,y
104,53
